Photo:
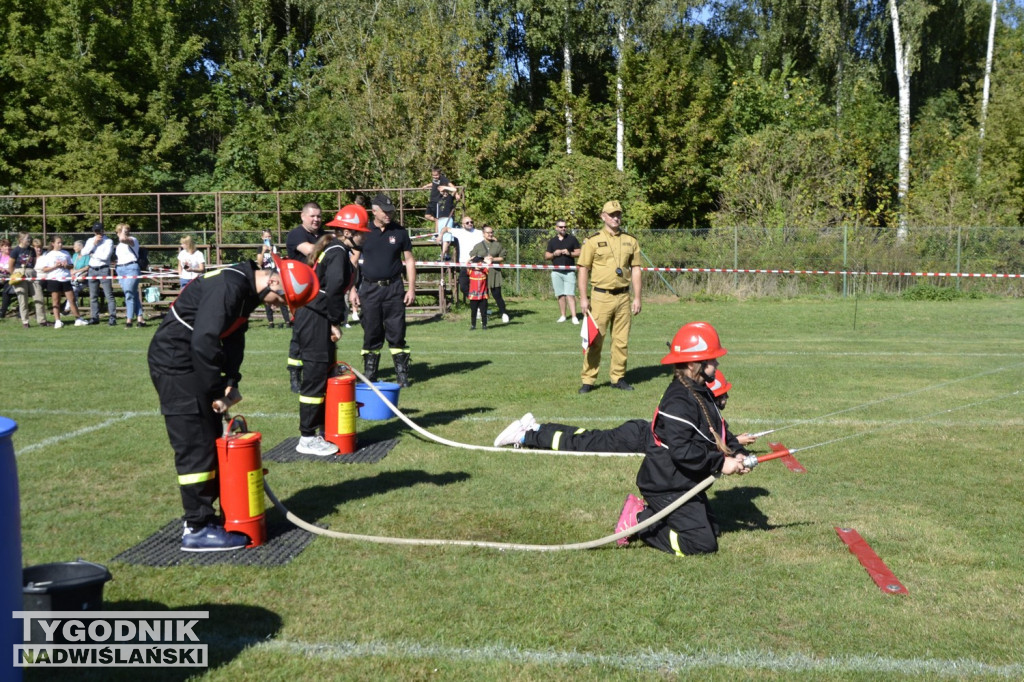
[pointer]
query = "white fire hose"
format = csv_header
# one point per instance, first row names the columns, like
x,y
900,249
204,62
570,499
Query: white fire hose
x,y
305,525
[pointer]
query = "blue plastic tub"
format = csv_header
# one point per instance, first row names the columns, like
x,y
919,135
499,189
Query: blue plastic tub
x,y
372,407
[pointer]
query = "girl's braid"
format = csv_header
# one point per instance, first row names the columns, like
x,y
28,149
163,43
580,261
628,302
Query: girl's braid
x,y
691,386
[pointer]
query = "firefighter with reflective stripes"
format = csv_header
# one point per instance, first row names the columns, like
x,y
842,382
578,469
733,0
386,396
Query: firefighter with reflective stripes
x,y
195,359
383,296
318,325
686,441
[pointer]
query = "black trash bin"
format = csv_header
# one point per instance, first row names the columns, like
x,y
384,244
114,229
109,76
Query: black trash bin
x,y
65,586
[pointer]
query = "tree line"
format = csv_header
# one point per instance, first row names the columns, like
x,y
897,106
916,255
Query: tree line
x,y
694,114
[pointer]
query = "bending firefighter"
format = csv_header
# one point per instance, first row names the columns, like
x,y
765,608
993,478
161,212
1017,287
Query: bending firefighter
x,y
194,362
685,442
318,325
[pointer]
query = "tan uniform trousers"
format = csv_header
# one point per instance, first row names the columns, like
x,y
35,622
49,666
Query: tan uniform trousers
x,y
613,317
34,289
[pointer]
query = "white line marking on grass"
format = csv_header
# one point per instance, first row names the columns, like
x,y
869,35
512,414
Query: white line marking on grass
x,y
910,420
904,395
53,440
658,662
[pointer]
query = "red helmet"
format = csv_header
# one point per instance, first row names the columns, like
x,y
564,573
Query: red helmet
x,y
351,217
694,342
299,281
720,386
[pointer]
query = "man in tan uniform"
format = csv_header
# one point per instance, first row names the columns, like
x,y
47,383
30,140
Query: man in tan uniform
x,y
610,260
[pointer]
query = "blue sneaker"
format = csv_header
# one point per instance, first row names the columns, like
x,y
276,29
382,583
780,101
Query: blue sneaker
x,y
211,538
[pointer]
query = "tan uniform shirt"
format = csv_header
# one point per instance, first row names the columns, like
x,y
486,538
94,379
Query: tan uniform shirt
x,y
603,252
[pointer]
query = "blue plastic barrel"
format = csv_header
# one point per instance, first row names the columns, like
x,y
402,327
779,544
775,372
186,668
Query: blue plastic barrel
x,y
10,557
371,407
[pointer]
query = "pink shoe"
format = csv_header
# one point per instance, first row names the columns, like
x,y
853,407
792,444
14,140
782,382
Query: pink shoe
x,y
627,519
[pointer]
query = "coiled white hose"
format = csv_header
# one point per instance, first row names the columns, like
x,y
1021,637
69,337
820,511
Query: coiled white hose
x,y
305,525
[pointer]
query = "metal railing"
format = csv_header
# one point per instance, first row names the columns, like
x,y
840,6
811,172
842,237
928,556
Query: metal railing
x,y
223,221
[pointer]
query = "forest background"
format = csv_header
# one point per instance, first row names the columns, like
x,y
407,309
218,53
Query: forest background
x,y
764,114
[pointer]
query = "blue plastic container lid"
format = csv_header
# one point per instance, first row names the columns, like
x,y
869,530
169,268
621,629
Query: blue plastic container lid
x,y
7,427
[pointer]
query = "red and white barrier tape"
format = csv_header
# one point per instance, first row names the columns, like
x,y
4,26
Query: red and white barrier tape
x,y
755,271
747,271
86,278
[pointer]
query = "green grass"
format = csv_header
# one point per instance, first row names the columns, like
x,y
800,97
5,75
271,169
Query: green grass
x,y
911,421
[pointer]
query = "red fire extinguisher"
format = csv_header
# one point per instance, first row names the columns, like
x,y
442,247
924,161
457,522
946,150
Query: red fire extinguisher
x,y
341,410
241,481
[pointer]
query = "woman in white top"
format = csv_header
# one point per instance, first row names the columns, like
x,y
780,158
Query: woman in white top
x,y
127,253
55,268
191,262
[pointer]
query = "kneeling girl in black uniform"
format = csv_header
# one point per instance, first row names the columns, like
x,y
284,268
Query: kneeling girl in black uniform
x,y
685,442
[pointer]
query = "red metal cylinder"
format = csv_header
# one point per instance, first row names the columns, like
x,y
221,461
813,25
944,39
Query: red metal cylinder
x,y
241,485
340,413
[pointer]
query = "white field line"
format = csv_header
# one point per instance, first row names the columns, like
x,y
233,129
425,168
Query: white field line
x,y
649,661
53,440
505,419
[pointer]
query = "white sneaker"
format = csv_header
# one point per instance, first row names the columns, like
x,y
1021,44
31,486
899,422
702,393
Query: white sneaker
x,y
353,316
514,432
81,323
574,320
504,318
316,445
58,324
561,319
67,308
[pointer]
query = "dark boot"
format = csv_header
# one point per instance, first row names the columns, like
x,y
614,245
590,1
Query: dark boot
x,y
296,374
370,363
402,369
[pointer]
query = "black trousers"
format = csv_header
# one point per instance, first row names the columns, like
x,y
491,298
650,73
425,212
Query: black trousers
x,y
690,529
629,437
475,308
499,300
193,429
318,355
383,315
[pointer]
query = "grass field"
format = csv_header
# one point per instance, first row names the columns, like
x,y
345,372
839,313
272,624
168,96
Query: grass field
x,y
907,412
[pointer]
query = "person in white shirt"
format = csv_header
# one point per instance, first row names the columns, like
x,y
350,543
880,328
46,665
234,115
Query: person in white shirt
x,y
55,268
191,262
127,253
468,237
100,249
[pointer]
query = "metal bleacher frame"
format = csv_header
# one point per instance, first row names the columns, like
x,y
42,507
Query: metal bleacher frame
x,y
217,220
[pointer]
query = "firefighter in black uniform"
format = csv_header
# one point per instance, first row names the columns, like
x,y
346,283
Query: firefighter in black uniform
x,y
382,294
194,362
686,442
318,325
298,246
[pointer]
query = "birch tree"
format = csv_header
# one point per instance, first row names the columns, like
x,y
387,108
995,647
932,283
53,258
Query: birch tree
x,y
903,78
988,78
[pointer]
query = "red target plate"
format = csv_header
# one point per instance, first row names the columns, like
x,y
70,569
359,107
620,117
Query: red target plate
x,y
876,568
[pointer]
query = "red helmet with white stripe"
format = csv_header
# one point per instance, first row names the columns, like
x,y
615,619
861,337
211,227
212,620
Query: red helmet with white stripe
x,y
351,217
720,385
299,281
694,342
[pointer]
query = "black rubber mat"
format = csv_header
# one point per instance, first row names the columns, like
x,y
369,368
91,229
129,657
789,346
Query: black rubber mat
x,y
368,453
284,542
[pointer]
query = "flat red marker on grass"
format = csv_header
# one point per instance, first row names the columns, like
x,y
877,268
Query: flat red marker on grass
x,y
874,565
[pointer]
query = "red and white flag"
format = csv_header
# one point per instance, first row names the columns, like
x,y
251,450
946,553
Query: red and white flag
x,y
588,330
